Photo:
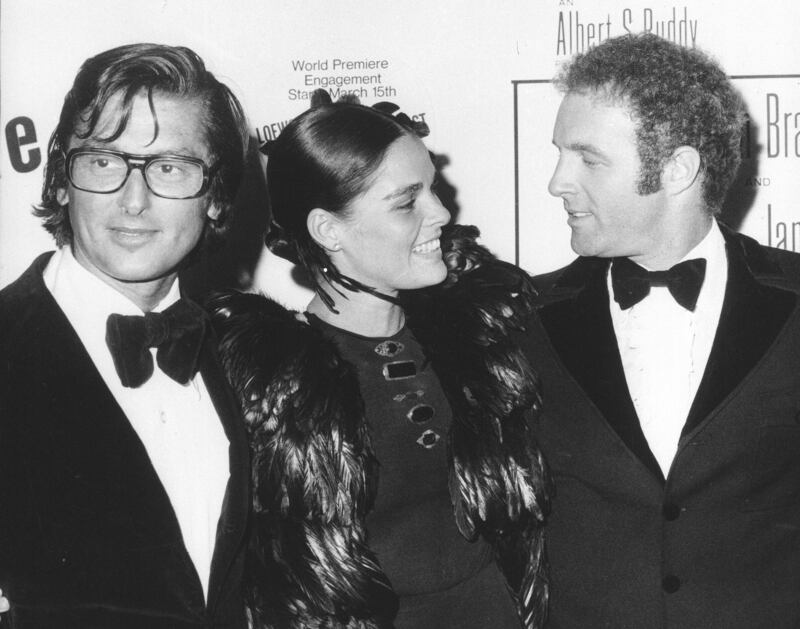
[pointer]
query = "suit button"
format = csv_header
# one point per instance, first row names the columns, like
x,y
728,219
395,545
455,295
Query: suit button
x,y
671,511
671,584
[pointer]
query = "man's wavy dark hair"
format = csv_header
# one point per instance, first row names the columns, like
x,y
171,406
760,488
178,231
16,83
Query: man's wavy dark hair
x,y
678,97
148,69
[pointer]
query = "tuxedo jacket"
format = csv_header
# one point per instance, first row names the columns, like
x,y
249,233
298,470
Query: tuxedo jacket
x,y
715,544
88,536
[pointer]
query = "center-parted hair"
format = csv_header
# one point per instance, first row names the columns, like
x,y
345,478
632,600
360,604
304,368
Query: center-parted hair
x,y
324,158
678,97
152,70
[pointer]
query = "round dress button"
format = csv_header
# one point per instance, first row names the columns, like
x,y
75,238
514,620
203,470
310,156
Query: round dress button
x,y
671,584
671,511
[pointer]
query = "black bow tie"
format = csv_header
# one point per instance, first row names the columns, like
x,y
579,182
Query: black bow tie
x,y
631,283
177,333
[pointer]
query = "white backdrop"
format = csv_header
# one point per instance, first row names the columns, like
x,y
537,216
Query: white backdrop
x,y
476,71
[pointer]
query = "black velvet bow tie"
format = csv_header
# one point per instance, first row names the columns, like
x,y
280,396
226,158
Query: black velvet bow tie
x,y
177,333
631,283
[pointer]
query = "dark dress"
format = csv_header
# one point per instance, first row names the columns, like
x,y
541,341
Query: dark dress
x,y
441,580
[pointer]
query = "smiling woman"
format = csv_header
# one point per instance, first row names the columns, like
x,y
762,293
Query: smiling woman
x,y
404,361
388,235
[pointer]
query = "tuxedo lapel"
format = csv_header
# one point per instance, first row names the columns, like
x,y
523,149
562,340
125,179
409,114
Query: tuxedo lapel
x,y
580,329
753,314
235,508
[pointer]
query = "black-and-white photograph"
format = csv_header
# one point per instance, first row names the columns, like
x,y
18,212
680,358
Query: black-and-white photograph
x,y
413,315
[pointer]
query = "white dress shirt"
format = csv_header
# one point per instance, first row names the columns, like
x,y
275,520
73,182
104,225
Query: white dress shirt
x,y
177,424
665,348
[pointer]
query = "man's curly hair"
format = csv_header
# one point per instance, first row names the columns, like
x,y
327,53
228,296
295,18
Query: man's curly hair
x,y
678,97
148,69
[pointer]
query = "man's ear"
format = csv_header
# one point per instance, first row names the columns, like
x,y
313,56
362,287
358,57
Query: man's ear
x,y
61,196
324,229
681,170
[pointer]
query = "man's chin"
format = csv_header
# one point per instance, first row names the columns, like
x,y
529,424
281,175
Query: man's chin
x,y
581,247
139,274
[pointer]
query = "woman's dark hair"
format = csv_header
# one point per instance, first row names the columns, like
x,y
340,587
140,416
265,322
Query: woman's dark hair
x,y
149,69
324,159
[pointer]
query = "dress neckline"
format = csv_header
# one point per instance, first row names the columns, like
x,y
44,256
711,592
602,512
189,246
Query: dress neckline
x,y
315,321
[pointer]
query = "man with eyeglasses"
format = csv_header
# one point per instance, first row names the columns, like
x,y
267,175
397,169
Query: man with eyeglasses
x,y
123,461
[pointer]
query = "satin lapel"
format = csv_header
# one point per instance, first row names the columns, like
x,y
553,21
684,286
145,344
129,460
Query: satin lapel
x,y
233,519
751,318
580,329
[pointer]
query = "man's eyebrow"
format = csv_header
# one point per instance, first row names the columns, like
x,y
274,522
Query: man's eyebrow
x,y
414,187
581,147
183,150
585,148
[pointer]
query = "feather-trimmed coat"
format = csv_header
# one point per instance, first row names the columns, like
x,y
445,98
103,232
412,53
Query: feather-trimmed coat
x,y
314,470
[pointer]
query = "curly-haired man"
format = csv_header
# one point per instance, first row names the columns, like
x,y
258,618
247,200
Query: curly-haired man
x,y
670,357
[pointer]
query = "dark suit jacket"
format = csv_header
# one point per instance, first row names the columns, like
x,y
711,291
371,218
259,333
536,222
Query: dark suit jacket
x,y
715,545
88,537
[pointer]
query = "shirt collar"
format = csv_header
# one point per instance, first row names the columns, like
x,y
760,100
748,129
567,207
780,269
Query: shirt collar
x,y
86,300
584,270
711,247
66,277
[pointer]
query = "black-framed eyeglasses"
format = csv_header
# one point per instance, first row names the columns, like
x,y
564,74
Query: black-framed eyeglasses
x,y
169,176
